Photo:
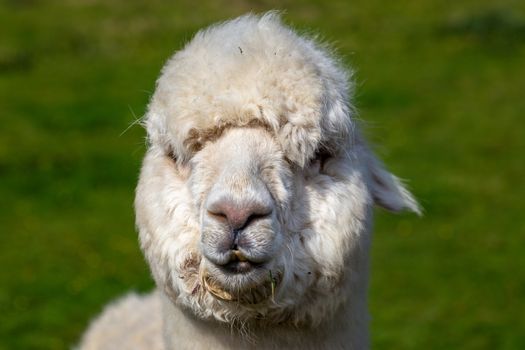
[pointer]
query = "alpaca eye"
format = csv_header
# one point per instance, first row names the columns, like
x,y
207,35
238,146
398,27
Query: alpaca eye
x,y
171,154
321,157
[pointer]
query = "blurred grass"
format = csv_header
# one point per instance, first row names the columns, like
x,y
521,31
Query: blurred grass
x,y
440,87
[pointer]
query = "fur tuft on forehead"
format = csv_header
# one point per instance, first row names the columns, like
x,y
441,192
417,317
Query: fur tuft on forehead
x,y
252,71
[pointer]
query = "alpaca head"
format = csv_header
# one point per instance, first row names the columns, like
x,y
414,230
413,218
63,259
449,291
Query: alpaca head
x,y
254,200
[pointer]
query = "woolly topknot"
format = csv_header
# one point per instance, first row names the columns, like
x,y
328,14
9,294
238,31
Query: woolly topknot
x,y
252,69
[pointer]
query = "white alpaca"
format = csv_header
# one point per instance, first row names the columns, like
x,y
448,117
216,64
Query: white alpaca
x,y
254,204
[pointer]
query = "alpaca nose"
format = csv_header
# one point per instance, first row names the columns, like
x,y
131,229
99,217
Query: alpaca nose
x,y
239,214
237,223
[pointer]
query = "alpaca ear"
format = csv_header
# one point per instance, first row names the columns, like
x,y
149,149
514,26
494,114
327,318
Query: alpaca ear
x,y
388,191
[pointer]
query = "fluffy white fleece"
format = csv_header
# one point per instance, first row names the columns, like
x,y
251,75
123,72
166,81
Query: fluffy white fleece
x,y
250,110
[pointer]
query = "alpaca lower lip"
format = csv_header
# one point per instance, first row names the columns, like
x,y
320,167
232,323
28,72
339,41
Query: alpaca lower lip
x,y
239,266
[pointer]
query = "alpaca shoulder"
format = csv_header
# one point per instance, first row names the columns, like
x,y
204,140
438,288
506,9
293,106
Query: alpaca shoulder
x,y
132,322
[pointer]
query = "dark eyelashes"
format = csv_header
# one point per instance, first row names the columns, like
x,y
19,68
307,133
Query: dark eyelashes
x,y
171,154
321,156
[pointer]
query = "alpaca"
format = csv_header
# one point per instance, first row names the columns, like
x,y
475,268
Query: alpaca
x,y
254,204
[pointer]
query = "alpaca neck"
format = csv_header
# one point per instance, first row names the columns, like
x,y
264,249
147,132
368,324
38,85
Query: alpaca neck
x,y
182,330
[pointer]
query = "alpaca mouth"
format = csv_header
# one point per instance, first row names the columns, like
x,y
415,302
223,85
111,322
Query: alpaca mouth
x,y
235,262
240,267
241,281
239,263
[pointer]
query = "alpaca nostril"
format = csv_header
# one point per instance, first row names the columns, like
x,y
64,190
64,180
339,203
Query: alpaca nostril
x,y
218,216
238,215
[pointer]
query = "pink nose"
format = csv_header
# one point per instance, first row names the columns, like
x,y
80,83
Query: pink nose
x,y
238,214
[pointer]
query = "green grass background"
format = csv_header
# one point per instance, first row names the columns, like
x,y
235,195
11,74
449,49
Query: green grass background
x,y
441,88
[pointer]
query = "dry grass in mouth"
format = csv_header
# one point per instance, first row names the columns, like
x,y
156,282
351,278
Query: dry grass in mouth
x,y
252,296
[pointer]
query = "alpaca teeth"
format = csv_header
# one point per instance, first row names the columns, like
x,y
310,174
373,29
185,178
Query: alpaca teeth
x,y
239,256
